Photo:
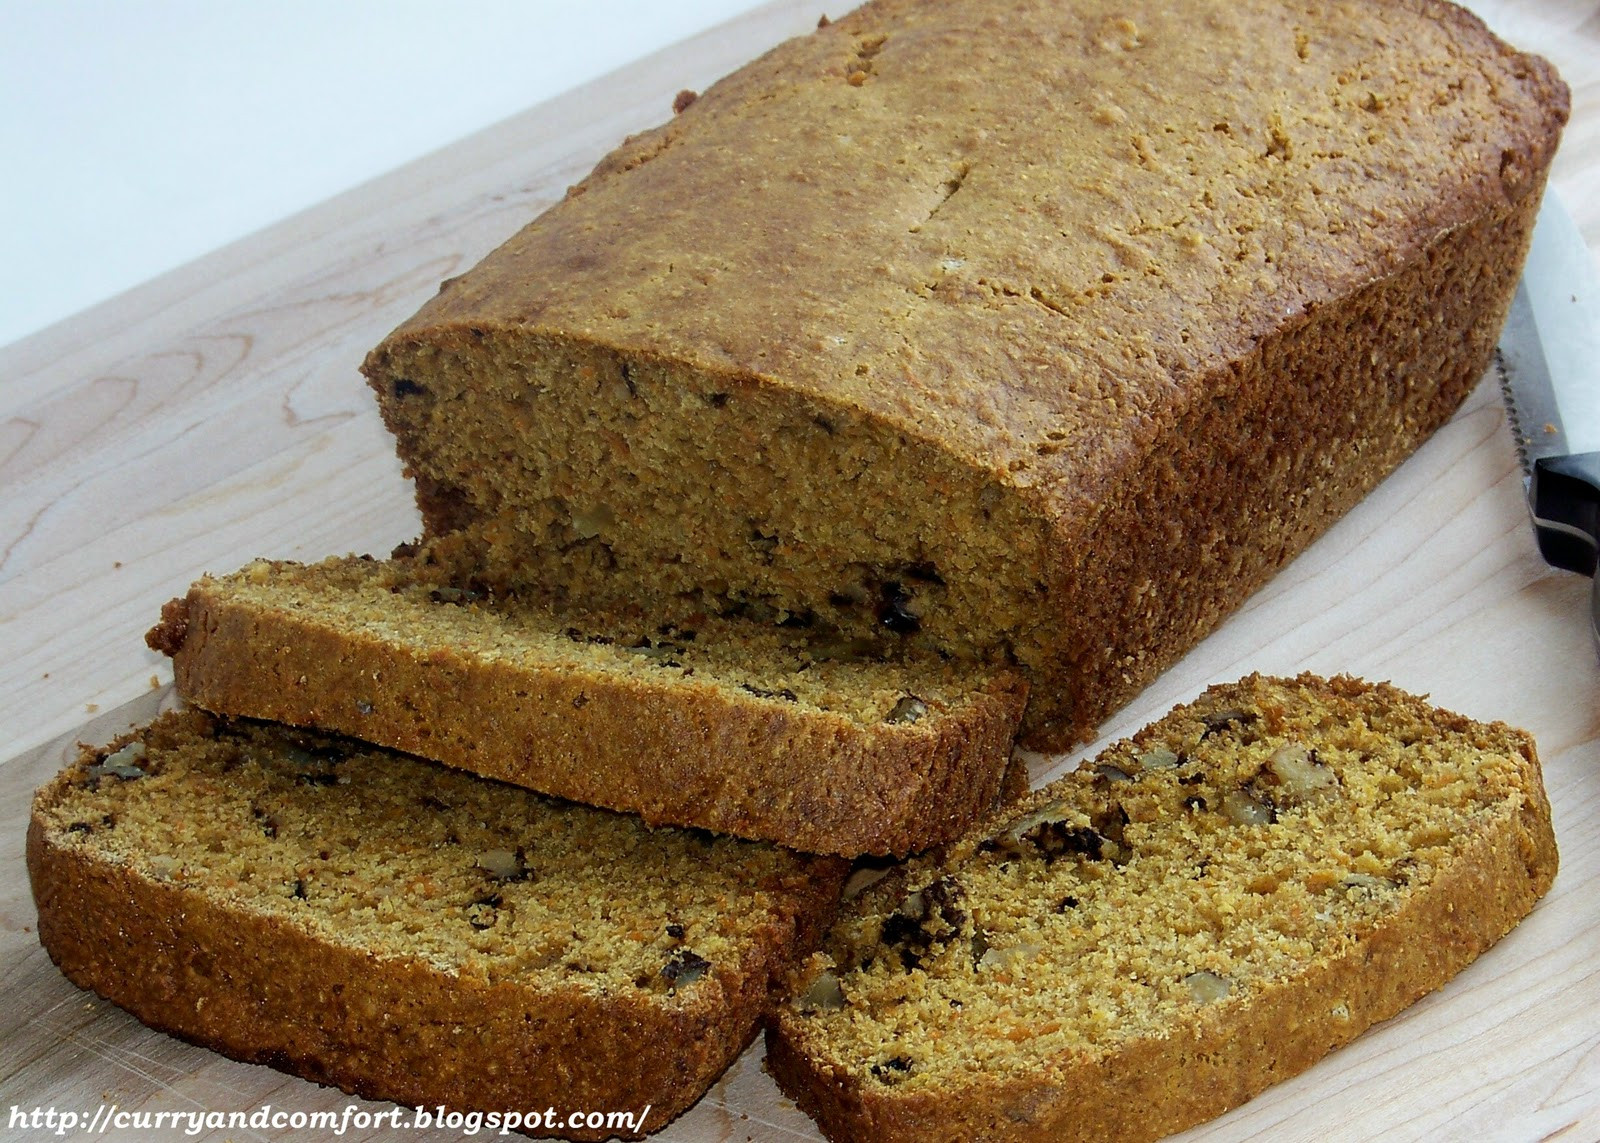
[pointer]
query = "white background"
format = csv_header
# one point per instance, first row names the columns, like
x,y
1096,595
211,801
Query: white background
x,y
138,135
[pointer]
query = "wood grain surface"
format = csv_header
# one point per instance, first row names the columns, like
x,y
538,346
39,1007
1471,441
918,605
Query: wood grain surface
x,y
215,414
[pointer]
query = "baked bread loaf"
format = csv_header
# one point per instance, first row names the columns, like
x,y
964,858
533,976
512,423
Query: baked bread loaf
x,y
407,932
1017,329
745,728
1202,911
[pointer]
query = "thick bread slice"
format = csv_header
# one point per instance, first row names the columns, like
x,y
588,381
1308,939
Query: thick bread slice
x,y
407,932
1009,325
739,727
1204,910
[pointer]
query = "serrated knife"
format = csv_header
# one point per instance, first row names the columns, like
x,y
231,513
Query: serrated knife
x,y
1550,374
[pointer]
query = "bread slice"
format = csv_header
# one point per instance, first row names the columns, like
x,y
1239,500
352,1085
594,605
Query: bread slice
x,y
1052,329
1203,910
757,730
407,932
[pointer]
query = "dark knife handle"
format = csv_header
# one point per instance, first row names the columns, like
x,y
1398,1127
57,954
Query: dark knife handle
x,y
1564,496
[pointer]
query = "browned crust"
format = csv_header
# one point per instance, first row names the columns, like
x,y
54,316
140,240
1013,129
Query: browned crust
x,y
1154,1087
673,754
394,1028
1273,450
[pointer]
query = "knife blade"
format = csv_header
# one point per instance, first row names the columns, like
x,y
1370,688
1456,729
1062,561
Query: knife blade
x,y
1549,365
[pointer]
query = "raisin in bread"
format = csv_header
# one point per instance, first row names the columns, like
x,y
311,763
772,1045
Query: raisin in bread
x,y
407,932
752,729
1204,910
1010,328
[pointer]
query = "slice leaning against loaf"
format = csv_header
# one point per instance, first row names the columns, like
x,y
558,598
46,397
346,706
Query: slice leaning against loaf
x,y
408,932
1205,909
744,728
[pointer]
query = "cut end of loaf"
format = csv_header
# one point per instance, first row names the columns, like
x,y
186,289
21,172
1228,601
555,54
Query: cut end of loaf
x,y
692,487
1201,911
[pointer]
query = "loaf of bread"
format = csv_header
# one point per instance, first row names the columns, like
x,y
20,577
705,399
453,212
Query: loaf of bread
x,y
408,932
754,729
1015,329
1204,910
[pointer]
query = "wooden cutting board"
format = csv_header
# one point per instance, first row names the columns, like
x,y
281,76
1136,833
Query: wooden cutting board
x,y
215,415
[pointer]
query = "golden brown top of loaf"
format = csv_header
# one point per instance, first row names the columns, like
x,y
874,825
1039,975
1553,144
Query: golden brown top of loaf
x,y
1089,201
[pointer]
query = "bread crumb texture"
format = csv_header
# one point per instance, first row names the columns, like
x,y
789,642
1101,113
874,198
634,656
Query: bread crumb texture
x,y
404,604
402,859
1286,859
